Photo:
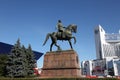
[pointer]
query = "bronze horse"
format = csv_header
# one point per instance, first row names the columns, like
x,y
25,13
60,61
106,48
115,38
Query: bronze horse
x,y
58,36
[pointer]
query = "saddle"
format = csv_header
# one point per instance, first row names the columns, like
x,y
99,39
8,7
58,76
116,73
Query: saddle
x,y
61,34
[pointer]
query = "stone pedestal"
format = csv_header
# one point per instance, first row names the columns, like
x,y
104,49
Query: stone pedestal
x,y
61,64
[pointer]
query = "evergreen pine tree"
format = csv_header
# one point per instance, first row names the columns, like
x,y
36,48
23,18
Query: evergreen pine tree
x,y
16,62
31,61
3,59
25,62
21,61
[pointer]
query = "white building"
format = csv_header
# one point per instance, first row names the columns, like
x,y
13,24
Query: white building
x,y
93,67
107,53
113,67
104,67
107,45
86,67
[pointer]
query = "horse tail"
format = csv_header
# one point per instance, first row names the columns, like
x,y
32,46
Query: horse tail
x,y
47,37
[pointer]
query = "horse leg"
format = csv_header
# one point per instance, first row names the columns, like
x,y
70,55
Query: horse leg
x,y
51,46
70,44
57,46
74,39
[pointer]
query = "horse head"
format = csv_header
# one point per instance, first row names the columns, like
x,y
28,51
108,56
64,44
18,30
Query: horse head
x,y
72,27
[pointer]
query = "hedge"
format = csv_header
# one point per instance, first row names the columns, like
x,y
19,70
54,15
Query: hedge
x,y
58,79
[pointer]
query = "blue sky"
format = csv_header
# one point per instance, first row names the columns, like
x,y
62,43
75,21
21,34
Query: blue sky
x,y
31,20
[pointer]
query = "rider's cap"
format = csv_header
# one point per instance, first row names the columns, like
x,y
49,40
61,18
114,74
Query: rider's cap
x,y
59,20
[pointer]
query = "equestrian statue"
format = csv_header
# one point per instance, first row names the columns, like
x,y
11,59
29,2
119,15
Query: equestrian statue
x,y
63,33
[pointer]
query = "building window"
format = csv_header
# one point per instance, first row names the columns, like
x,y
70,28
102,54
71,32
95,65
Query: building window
x,y
96,31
